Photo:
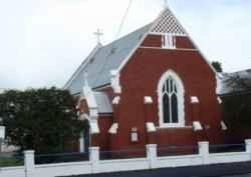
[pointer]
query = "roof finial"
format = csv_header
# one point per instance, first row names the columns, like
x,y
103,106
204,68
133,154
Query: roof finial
x,y
98,33
165,4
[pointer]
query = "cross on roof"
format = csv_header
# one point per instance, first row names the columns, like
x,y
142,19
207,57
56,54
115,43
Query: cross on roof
x,y
98,33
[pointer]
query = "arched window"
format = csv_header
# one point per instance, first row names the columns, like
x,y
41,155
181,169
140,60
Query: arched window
x,y
171,100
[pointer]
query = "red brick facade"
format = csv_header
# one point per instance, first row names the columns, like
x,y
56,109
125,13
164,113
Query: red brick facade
x,y
140,77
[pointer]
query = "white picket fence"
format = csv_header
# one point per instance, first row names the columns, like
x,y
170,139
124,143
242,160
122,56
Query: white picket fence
x,y
152,161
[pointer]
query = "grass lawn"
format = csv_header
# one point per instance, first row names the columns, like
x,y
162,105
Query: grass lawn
x,y
10,161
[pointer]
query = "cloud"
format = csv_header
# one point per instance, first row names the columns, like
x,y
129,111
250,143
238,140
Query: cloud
x,y
43,42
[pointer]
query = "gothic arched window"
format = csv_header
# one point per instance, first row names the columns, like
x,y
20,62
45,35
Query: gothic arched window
x,y
171,100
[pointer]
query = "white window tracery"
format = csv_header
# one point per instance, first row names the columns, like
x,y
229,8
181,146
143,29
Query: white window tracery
x,y
171,100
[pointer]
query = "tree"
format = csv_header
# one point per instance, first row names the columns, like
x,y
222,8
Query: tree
x,y
236,104
217,66
42,119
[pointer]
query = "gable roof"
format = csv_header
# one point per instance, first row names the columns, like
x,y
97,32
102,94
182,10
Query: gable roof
x,y
114,56
103,60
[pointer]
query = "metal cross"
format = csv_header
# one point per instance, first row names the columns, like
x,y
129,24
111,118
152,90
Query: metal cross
x,y
98,33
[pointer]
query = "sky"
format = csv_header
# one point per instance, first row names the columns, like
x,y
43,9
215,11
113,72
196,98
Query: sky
x,y
42,42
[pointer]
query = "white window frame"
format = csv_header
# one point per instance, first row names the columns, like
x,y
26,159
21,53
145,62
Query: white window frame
x,y
168,41
180,96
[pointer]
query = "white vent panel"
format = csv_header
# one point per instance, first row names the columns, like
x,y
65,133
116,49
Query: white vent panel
x,y
167,23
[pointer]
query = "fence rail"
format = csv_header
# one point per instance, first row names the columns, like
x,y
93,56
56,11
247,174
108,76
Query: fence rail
x,y
149,158
177,150
60,158
123,154
227,148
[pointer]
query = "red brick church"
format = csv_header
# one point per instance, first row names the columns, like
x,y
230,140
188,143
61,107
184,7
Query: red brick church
x,y
152,86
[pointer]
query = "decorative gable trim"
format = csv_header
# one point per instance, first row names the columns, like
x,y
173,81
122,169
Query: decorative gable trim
x,y
168,24
177,30
138,45
182,32
93,109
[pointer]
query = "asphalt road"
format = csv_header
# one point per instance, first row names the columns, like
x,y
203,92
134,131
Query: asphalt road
x,y
223,170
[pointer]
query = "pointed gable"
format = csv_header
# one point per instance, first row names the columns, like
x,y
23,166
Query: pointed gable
x,y
103,60
115,56
167,23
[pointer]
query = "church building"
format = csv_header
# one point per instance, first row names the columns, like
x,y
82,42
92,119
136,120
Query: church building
x,y
152,86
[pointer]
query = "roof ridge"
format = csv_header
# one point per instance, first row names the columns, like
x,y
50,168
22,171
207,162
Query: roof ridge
x,y
128,34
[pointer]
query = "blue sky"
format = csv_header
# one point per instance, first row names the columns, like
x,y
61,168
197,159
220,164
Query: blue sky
x,y
42,42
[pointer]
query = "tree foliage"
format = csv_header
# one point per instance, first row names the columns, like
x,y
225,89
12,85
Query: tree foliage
x,y
42,119
217,66
237,111
236,105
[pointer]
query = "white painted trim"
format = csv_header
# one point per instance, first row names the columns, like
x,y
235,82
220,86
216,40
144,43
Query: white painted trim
x,y
223,125
148,100
219,100
83,64
94,127
116,100
140,42
115,81
93,109
177,127
194,100
151,161
160,48
114,128
201,53
161,34
150,127
168,41
197,126
196,46
181,100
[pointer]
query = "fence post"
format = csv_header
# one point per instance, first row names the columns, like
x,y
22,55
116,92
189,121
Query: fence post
x,y
94,158
204,151
151,150
248,147
29,163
